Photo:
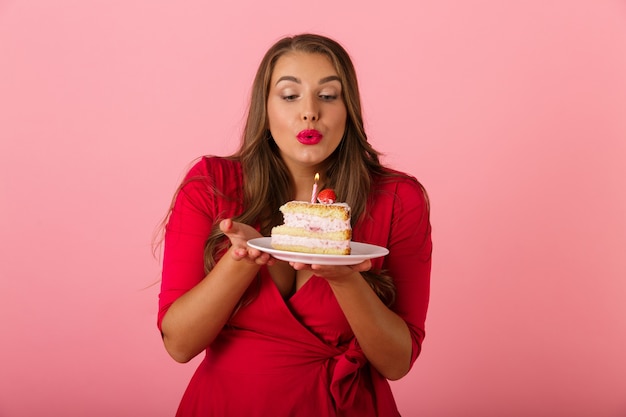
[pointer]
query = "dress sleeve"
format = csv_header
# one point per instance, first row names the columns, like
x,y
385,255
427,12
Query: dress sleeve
x,y
188,227
409,259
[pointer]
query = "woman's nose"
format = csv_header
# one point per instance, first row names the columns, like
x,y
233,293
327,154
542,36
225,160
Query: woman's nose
x,y
309,116
310,112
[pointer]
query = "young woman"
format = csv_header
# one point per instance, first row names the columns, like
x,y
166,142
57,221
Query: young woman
x,y
291,339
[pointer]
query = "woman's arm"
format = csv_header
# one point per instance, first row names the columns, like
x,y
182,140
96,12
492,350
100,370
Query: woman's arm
x,y
194,320
390,338
383,336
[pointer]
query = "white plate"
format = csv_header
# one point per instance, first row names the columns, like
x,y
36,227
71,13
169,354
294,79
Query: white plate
x,y
359,253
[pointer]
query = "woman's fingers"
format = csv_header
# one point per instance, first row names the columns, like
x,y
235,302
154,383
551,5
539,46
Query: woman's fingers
x,y
226,225
333,271
252,255
366,265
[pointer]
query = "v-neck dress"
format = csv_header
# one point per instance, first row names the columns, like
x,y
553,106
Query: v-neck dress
x,y
296,357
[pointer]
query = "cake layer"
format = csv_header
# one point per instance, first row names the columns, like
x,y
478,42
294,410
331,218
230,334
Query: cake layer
x,y
310,245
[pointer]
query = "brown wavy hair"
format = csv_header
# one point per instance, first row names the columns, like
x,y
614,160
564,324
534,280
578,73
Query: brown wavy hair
x,y
350,169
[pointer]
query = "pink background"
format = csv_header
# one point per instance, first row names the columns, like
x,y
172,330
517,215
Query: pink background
x,y
513,114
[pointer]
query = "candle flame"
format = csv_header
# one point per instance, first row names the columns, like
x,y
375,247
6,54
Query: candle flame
x,y
317,177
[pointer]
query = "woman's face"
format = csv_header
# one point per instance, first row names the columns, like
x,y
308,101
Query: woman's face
x,y
305,109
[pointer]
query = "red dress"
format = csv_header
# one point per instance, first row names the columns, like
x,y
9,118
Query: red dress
x,y
295,357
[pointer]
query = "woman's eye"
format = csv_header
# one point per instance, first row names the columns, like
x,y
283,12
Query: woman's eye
x,y
328,97
290,97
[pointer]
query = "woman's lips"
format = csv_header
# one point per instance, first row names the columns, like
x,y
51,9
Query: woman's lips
x,y
309,137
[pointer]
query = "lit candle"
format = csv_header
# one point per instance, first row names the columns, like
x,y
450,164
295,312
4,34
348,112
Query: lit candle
x,y
314,194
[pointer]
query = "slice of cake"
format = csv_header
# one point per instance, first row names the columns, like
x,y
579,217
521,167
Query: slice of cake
x,y
314,228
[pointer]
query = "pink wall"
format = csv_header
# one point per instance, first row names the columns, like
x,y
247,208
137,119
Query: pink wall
x,y
511,113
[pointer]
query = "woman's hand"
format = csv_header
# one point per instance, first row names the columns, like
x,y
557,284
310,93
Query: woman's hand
x,y
239,234
334,273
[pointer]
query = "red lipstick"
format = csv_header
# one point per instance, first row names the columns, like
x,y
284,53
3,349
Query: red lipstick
x,y
309,137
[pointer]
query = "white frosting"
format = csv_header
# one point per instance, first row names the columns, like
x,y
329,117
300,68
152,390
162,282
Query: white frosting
x,y
315,223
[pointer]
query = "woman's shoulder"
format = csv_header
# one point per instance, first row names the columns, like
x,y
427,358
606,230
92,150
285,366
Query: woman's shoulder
x,y
214,167
212,175
214,181
399,182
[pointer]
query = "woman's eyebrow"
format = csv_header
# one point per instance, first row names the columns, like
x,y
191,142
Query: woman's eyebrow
x,y
289,78
329,79
298,81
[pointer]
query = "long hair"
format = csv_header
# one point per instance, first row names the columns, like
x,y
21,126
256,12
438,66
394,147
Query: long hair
x,y
350,169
